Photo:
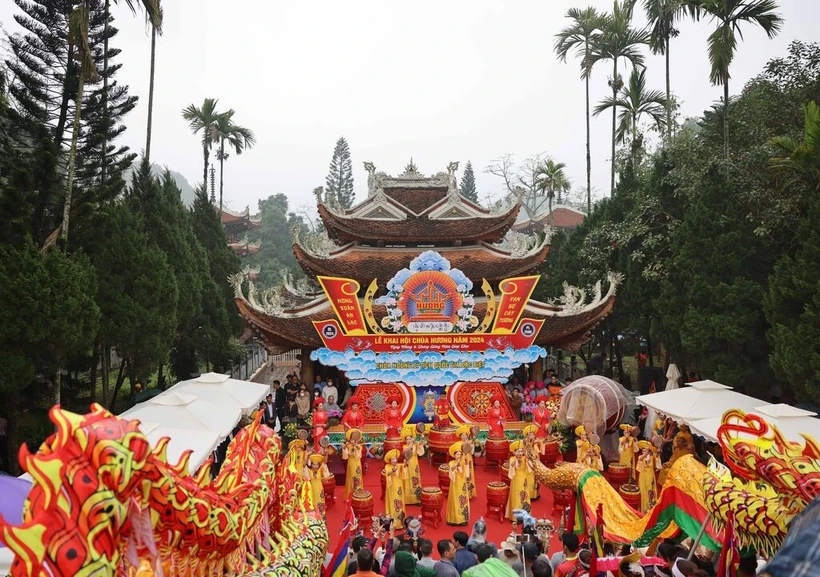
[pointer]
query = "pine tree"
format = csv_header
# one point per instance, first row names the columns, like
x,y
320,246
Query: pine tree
x,y
339,182
468,183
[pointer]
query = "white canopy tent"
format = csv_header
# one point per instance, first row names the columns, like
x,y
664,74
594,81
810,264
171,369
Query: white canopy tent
x,y
790,420
180,411
700,400
202,443
221,389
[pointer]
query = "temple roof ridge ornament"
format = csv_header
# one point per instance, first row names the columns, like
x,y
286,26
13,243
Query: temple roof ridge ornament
x,y
410,178
520,245
319,244
303,287
574,300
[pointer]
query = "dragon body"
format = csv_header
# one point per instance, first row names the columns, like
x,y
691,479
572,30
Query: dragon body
x,y
774,480
103,502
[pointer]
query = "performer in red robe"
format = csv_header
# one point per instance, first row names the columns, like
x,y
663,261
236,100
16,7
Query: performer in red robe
x,y
394,419
319,423
353,418
495,418
541,417
442,420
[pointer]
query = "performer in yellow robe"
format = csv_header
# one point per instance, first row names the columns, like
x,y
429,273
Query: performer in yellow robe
x,y
582,444
298,448
352,452
315,473
683,444
394,475
532,443
648,465
464,433
458,499
412,482
519,474
628,446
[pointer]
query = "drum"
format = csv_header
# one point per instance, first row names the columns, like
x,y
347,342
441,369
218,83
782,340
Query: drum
x,y
390,444
593,401
497,450
432,500
497,494
439,441
551,453
505,473
329,488
632,496
444,478
617,474
363,506
561,500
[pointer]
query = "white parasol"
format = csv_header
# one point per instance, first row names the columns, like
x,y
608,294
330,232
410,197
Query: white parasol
x,y
672,377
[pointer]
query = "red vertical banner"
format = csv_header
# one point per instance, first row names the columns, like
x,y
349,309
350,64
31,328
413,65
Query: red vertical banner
x,y
515,292
343,296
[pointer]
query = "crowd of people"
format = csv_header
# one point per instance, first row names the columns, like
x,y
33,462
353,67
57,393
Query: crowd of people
x,y
524,555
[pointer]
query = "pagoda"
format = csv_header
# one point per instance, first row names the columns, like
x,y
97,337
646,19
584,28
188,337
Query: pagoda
x,y
402,217
237,225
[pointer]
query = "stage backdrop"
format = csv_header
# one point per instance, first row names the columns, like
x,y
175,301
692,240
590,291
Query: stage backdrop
x,y
468,401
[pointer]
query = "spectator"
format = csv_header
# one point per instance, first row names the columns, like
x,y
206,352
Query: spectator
x,y
531,552
541,568
279,401
355,546
464,558
302,403
270,412
584,560
426,553
331,405
365,563
407,547
479,537
489,566
330,390
540,390
447,552
291,388
509,555
570,560
746,568
407,566
319,385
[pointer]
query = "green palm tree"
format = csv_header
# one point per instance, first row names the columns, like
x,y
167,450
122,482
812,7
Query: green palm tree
x,y
551,180
618,39
662,16
635,101
578,36
730,15
86,71
204,119
802,160
238,137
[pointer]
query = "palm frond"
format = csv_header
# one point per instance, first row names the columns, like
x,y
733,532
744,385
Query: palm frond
x,y
760,12
721,46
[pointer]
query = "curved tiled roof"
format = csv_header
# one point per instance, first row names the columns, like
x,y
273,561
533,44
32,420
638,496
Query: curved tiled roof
x,y
415,228
565,327
364,264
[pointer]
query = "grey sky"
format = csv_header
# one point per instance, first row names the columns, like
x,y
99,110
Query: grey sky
x,y
435,80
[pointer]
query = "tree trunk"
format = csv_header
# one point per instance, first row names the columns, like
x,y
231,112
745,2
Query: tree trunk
x,y
619,362
59,131
159,375
589,157
221,167
72,158
614,109
58,385
726,117
649,351
95,359
668,95
205,160
106,371
120,378
151,94
105,93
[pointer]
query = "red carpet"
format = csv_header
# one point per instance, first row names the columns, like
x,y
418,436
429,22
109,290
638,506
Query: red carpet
x,y
496,531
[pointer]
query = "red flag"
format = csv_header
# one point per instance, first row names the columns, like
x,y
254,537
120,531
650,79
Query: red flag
x,y
729,553
337,566
597,544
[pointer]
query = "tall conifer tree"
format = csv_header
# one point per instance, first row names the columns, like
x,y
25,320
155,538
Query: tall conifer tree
x,y
468,183
339,182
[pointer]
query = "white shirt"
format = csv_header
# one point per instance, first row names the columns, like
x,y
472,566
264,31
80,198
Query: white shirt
x,y
330,391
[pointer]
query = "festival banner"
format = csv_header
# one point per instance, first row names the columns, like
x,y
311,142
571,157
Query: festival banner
x,y
342,294
427,333
515,292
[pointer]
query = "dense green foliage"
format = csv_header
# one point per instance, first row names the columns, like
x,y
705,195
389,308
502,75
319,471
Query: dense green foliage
x,y
719,257
275,256
468,183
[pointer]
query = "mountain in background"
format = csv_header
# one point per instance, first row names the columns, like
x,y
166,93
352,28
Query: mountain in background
x,y
182,182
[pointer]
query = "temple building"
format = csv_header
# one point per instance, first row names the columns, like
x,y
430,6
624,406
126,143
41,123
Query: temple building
x,y
237,225
560,216
402,217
